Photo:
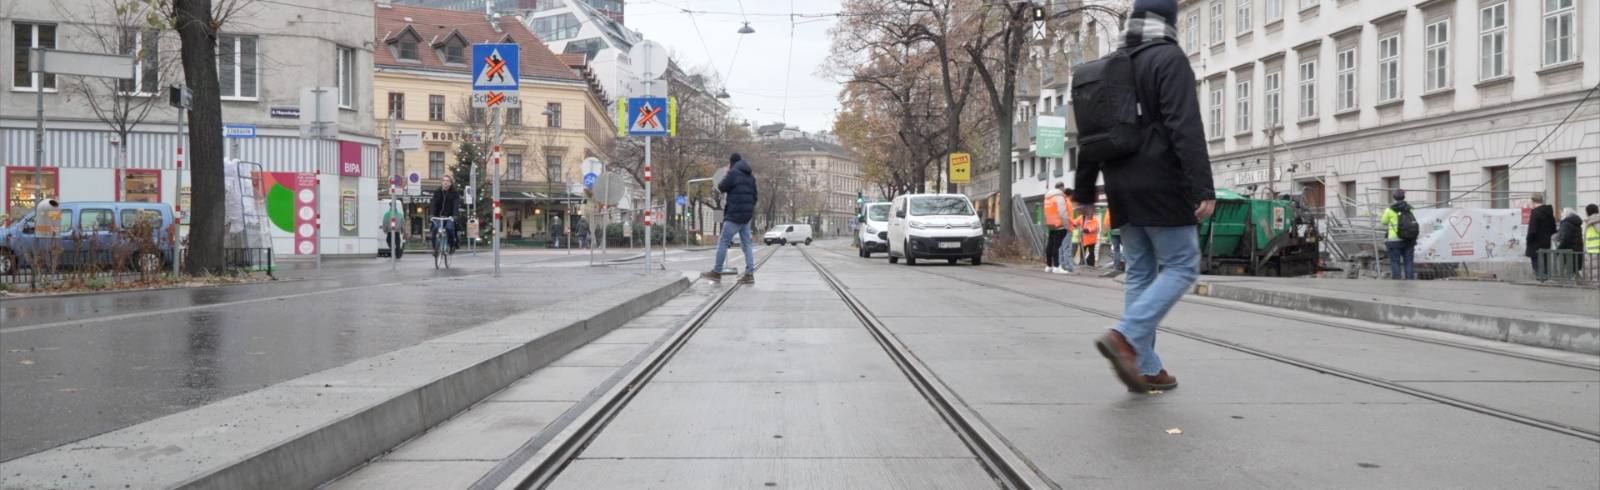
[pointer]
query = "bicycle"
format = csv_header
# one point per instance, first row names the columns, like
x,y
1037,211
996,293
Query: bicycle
x,y
441,241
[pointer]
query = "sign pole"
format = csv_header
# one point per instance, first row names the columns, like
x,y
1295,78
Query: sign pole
x,y
177,242
495,175
472,203
38,135
394,198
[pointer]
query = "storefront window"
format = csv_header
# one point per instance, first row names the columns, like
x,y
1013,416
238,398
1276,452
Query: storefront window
x,y
22,193
141,185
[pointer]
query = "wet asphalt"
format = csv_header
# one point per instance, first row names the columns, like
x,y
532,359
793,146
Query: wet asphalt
x,y
72,367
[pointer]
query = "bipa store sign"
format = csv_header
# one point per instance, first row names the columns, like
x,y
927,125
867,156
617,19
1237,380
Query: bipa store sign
x,y
349,159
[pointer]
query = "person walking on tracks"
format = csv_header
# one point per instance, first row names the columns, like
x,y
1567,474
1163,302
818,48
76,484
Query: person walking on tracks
x,y
1057,208
740,186
1141,128
1402,238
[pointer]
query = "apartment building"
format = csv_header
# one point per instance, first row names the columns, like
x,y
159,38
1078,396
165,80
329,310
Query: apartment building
x,y
1474,103
822,171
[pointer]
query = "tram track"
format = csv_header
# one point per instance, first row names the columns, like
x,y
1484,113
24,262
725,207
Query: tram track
x,y
1557,427
1003,464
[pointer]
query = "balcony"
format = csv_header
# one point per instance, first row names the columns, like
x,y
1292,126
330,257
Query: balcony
x,y
1028,83
1057,74
1022,133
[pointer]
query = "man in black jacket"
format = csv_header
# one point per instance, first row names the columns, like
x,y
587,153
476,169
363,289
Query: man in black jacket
x,y
1541,225
445,203
740,186
1157,196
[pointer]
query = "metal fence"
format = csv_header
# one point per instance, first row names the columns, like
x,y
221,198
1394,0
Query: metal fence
x,y
97,268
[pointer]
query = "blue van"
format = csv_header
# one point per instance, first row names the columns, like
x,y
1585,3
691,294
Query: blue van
x,y
87,234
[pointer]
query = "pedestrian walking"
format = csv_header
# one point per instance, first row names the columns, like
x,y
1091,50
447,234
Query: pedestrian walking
x,y
740,186
1569,237
1591,241
1541,226
1157,184
1402,238
1091,238
1056,210
1116,249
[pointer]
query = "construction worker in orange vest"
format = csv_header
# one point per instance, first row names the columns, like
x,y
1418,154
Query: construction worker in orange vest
x,y
1089,225
1057,212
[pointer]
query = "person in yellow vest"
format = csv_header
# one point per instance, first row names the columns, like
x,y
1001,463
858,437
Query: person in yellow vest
x,y
1591,241
1091,238
1057,209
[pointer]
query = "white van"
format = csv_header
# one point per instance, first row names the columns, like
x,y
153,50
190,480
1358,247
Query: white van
x,y
794,234
934,226
872,233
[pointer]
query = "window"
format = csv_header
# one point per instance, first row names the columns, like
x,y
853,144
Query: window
x,y
452,52
435,107
1305,4
1241,95
1243,23
435,164
477,115
1308,89
1499,186
1191,31
555,27
144,47
1559,16
347,77
1347,79
1217,30
1389,68
1216,110
552,167
407,50
23,188
514,167
140,185
552,114
1273,8
397,105
136,217
1565,185
26,36
1390,184
1347,197
236,66
1440,181
514,116
93,220
1492,42
1436,38
1274,99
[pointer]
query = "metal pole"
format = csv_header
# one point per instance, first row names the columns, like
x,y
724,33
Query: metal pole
x,y
177,241
38,135
317,101
1272,165
393,235
472,203
495,175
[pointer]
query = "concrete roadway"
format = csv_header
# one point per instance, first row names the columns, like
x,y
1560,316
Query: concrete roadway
x,y
784,389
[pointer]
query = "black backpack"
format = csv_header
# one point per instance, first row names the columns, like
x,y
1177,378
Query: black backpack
x,y
1408,229
1111,122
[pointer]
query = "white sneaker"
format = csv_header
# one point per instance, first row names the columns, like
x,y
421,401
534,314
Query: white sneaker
x,y
1050,270
1062,271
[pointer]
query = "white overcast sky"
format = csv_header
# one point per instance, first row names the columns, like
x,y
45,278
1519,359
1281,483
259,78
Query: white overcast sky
x,y
757,73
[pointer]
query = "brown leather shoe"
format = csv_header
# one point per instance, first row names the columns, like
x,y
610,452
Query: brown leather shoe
x,y
747,278
712,275
1161,381
1124,363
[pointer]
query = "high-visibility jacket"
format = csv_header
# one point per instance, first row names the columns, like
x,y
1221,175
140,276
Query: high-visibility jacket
x,y
1053,205
1091,231
1591,240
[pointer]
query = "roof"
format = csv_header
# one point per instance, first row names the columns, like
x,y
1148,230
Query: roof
x,y
437,25
802,144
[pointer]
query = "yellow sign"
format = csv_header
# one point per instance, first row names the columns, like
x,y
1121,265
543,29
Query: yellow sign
x,y
960,168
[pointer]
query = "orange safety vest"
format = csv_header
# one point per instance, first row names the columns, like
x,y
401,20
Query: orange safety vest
x,y
1091,231
1052,214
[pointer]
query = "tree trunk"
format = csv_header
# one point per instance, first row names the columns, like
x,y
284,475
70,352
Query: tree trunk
x,y
195,29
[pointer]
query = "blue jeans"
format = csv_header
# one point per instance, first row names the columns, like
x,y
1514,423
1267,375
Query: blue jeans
x,y
1069,251
728,229
1402,252
1163,262
449,233
1116,251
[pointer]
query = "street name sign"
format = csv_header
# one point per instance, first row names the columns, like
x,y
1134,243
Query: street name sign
x,y
239,131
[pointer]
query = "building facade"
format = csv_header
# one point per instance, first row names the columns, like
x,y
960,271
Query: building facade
x,y
1465,103
422,83
825,177
268,57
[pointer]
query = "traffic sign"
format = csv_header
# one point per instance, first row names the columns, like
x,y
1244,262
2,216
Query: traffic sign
x,y
683,200
414,184
649,60
591,169
589,179
1052,136
648,116
239,131
960,168
495,74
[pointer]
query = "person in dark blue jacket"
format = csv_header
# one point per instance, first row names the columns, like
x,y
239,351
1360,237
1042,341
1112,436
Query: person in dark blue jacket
x,y
740,186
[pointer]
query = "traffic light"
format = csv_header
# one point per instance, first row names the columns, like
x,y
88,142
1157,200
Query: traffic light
x,y
1038,14
861,199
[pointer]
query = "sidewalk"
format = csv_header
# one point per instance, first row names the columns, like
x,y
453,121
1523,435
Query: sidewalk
x,y
1557,318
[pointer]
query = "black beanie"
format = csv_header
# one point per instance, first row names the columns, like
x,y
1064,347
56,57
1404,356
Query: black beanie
x,y
734,158
1167,9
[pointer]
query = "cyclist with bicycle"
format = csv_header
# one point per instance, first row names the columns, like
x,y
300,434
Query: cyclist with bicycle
x,y
446,203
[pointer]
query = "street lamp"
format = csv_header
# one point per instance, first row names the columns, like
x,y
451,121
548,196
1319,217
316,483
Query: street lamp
x,y
747,29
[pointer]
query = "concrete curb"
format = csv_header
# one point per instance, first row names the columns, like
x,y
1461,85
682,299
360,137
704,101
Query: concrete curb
x,y
304,432
1538,332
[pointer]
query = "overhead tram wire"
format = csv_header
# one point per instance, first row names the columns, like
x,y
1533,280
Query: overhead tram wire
x,y
788,65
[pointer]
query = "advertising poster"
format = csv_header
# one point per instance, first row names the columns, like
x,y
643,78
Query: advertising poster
x,y
1470,235
292,207
348,215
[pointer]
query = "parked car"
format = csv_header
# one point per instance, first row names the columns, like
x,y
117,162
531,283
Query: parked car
x,y
872,232
90,233
934,226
